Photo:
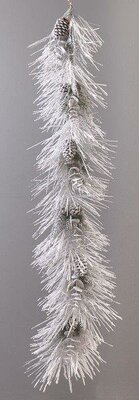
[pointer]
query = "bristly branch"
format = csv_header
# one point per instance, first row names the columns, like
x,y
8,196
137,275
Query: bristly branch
x,y
74,169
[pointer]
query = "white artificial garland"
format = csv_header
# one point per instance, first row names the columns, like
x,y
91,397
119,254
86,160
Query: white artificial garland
x,y
74,170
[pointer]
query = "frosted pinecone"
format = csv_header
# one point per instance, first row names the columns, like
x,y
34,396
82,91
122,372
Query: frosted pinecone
x,y
61,29
81,266
70,151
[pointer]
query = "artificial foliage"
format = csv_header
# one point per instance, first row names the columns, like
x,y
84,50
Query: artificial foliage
x,y
74,170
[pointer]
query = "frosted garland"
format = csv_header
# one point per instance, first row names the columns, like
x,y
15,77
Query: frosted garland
x,y
75,168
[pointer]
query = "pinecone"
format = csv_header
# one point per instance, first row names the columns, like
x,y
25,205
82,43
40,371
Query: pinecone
x,y
61,29
81,266
70,151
